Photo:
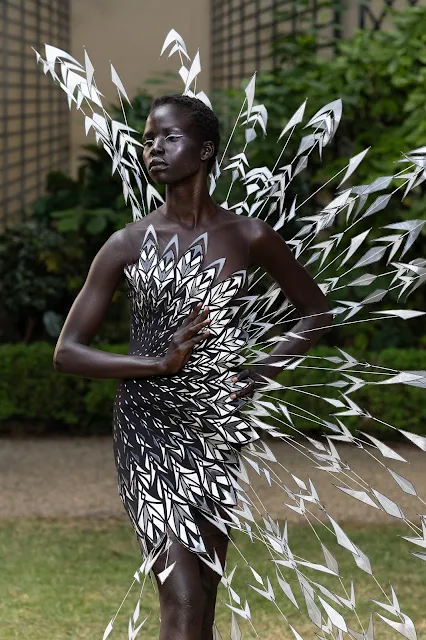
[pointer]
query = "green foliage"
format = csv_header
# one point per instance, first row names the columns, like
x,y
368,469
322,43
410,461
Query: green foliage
x,y
380,77
32,288
33,394
402,406
37,399
43,263
92,205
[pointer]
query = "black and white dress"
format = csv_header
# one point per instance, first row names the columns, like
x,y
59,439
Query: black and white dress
x,y
177,438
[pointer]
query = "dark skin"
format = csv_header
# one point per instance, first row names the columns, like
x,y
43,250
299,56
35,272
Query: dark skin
x,y
175,155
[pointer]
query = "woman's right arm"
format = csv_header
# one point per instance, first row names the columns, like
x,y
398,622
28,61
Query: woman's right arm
x,y
73,354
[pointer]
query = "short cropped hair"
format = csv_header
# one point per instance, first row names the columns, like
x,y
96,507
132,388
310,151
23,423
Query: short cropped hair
x,y
205,120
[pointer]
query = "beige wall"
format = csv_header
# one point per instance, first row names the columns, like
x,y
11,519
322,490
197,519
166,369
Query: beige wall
x,y
131,33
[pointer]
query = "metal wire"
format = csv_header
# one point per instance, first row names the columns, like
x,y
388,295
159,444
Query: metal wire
x,y
32,148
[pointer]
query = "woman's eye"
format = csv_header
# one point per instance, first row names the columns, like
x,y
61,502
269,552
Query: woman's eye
x,y
147,143
173,137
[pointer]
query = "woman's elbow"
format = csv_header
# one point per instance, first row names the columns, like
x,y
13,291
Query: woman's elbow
x,y
326,317
322,315
61,359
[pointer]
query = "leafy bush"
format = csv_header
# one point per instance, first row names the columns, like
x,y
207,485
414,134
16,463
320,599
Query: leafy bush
x,y
32,287
43,262
401,406
380,77
88,209
35,399
382,93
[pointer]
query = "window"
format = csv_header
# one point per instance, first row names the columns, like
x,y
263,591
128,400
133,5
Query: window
x,y
373,15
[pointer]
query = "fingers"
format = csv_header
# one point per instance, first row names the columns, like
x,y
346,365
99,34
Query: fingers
x,y
202,316
249,389
195,340
195,328
246,391
194,313
242,375
196,325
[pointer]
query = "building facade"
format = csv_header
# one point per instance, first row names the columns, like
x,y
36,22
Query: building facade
x,y
38,133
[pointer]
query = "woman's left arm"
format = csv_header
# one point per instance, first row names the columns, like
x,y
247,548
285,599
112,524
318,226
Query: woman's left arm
x,y
268,250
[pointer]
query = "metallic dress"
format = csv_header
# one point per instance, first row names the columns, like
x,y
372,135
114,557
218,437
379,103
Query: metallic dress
x,y
176,438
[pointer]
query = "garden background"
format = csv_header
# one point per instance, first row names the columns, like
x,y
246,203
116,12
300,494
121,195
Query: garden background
x,y
68,552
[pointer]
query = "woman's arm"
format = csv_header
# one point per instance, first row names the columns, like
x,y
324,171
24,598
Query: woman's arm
x,y
270,251
73,353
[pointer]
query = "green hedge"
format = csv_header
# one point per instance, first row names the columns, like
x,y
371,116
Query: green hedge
x,y
35,399
400,405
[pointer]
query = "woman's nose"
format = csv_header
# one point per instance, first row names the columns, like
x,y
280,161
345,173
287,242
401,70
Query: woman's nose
x,y
158,146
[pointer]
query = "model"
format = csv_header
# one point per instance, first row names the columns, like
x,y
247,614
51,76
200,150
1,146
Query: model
x,y
194,390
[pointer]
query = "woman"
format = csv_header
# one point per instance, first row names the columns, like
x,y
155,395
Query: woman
x,y
177,429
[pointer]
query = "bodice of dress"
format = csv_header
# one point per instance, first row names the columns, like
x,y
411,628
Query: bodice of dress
x,y
163,289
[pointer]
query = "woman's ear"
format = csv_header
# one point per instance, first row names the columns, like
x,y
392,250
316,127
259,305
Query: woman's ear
x,y
207,150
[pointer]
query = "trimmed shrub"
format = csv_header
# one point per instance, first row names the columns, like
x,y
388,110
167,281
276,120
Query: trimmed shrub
x,y
400,405
34,399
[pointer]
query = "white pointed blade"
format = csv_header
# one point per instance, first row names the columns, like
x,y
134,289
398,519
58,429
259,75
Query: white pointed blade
x,y
295,119
405,484
249,91
353,165
116,80
165,574
107,631
172,37
404,314
354,246
89,68
193,71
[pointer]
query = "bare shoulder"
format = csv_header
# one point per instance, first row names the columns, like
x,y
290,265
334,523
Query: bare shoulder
x,y
254,229
115,252
257,234
132,235
244,224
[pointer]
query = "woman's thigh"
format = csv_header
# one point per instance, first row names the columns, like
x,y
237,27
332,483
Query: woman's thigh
x,y
188,595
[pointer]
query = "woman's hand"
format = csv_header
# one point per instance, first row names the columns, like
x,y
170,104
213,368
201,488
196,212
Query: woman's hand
x,y
254,383
184,339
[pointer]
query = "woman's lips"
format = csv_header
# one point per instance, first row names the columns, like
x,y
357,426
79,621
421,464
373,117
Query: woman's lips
x,y
158,166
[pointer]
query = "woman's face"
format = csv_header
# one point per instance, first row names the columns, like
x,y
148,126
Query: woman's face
x,y
173,150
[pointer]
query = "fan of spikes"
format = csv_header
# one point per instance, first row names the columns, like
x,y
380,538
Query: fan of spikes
x,y
339,261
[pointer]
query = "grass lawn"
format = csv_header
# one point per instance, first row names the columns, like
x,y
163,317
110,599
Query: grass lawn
x,y
64,580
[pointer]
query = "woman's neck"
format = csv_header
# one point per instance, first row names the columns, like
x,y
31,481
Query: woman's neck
x,y
189,203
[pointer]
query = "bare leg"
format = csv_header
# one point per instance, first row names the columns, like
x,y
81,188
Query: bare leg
x,y
182,598
214,541
188,596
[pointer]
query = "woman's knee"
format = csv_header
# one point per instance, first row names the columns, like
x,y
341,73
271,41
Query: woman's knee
x,y
184,608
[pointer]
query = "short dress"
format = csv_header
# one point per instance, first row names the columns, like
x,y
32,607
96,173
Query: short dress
x,y
177,438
